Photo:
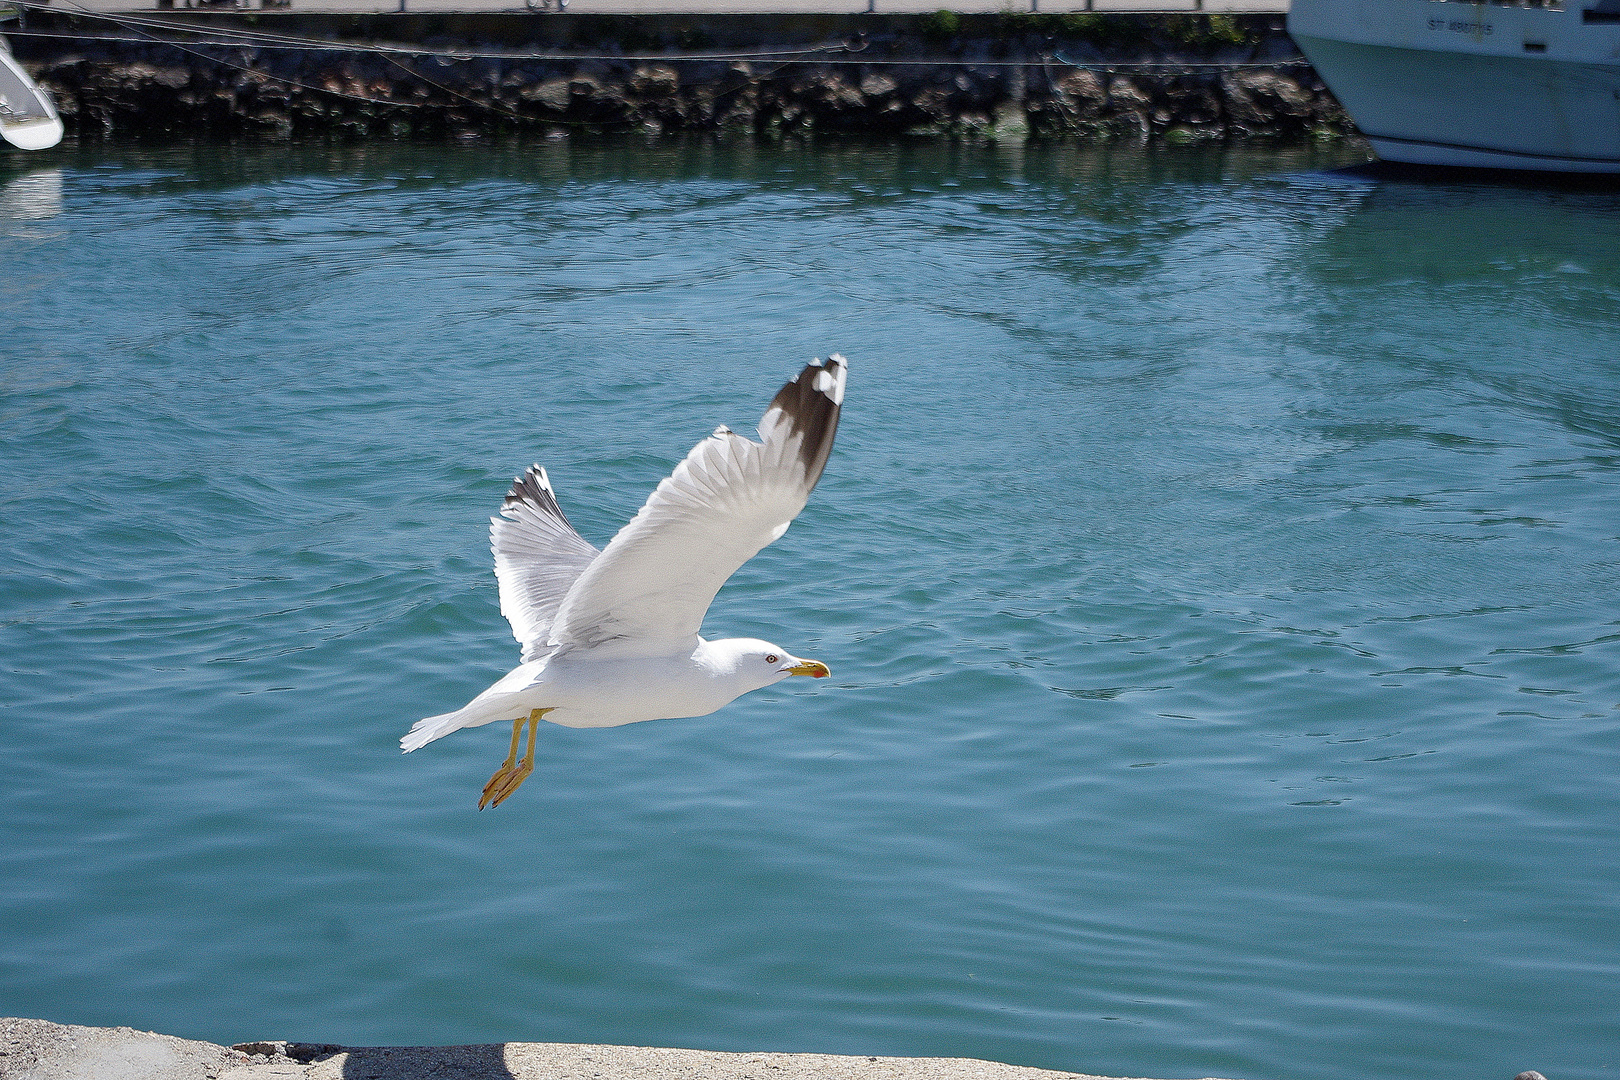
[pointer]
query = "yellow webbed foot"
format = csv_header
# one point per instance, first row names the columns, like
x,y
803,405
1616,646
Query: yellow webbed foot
x,y
506,780
510,776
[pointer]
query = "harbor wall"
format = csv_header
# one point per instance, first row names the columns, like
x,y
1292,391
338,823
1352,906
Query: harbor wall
x,y
1178,78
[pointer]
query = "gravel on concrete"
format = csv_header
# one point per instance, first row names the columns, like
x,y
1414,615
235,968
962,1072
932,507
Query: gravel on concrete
x,y
41,1050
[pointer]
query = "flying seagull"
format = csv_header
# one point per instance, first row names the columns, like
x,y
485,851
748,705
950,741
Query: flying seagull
x,y
611,637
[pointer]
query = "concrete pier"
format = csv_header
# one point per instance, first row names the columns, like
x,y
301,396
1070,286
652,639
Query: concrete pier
x,y
41,1050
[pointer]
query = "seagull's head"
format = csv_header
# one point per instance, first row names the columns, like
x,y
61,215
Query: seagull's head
x,y
760,663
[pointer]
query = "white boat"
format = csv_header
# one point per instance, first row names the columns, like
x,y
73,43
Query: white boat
x,y
1509,84
28,120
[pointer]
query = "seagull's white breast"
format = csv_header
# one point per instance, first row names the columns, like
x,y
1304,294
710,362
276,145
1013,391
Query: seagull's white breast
x,y
592,693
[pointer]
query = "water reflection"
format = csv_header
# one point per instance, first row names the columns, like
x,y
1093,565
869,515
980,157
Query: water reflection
x,y
146,170
32,196
1441,234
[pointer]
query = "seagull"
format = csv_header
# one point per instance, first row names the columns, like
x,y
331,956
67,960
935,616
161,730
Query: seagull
x,y
610,637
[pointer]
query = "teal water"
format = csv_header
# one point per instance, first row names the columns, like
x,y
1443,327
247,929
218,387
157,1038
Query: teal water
x,y
1218,568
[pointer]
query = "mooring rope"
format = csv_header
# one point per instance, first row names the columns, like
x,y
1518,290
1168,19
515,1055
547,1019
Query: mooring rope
x,y
231,37
1182,67
256,40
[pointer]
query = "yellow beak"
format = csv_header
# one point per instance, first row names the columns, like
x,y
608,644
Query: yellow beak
x,y
813,668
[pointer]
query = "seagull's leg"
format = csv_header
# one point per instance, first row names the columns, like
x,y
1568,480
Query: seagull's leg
x,y
511,759
509,776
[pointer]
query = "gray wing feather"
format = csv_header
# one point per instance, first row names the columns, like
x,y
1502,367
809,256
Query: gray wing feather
x,y
647,593
538,557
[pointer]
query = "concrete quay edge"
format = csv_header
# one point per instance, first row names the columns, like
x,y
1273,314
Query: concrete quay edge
x,y
41,1050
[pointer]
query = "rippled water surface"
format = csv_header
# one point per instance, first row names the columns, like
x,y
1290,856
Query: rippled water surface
x,y
1218,568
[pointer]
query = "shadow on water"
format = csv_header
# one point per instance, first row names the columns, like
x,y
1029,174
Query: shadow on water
x,y
1448,257
1549,238
1401,172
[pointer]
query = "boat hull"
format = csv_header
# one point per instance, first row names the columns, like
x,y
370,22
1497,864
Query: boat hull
x,y
28,120
1517,89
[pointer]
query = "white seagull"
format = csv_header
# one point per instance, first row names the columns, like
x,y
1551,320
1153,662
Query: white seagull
x,y
611,637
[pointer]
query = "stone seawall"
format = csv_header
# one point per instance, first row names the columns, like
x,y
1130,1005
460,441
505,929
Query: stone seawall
x,y
1142,78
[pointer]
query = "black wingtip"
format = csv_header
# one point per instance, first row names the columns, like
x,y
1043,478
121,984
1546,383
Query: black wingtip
x,y
533,488
811,401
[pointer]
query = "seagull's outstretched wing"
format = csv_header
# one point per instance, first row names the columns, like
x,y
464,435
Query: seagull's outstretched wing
x,y
646,594
538,556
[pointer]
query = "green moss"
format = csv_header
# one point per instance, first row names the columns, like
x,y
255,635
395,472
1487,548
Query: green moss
x,y
1198,33
1224,29
941,25
1206,32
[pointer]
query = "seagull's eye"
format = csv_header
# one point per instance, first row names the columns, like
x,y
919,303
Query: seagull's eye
x,y
771,658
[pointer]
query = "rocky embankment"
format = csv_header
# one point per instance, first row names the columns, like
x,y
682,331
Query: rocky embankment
x,y
1176,78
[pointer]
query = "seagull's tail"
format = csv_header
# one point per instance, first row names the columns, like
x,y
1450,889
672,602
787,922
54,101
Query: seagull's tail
x,y
503,701
433,727
486,708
